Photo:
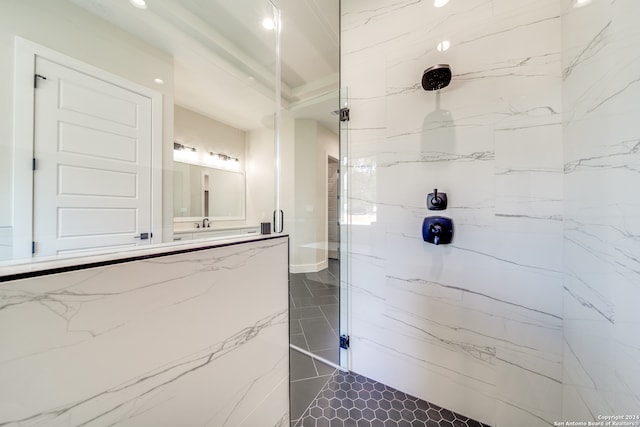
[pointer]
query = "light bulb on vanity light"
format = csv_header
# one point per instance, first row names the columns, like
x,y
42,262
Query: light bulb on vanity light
x,y
440,3
223,157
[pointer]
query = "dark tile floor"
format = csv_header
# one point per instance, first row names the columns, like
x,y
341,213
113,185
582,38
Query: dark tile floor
x,y
350,400
321,396
314,311
307,377
314,326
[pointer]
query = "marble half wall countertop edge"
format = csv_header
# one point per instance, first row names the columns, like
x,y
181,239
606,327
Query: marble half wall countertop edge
x,y
16,270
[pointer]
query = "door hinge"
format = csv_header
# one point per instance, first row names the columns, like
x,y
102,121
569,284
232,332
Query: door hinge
x,y
33,247
344,114
33,164
344,341
35,79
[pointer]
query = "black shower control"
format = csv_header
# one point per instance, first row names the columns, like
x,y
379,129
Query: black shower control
x,y
436,201
344,342
437,230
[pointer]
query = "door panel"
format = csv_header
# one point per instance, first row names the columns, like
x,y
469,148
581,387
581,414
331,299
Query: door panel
x,y
77,139
92,222
83,181
92,182
97,99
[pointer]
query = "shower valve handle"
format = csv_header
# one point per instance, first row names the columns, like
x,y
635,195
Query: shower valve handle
x,y
435,199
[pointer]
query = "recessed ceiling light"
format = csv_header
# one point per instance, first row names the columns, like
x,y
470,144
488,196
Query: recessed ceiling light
x,y
140,4
439,3
268,24
580,3
443,45
158,81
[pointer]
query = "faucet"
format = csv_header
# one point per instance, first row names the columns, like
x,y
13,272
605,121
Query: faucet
x,y
206,223
436,230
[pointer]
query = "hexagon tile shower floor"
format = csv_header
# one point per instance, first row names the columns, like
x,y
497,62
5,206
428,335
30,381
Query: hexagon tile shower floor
x,y
349,400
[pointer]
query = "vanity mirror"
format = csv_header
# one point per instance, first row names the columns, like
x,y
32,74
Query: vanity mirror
x,y
201,191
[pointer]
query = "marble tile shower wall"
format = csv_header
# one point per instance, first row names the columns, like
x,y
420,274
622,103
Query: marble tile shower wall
x,y
474,326
601,71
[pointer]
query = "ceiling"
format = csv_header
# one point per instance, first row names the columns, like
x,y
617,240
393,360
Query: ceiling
x,y
224,60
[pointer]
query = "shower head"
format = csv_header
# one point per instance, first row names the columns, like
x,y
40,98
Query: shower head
x,y
436,77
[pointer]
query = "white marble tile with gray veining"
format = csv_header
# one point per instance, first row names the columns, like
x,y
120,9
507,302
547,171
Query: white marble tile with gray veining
x,y
164,341
601,89
467,318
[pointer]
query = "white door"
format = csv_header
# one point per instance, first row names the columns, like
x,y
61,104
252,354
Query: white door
x,y
92,175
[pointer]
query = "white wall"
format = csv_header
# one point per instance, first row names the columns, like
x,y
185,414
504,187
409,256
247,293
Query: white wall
x,y
261,167
313,143
59,25
207,134
288,167
260,163
601,64
305,251
474,326
305,145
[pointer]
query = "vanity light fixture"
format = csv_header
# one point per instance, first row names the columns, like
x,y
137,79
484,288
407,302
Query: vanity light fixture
x,y
223,157
178,147
140,4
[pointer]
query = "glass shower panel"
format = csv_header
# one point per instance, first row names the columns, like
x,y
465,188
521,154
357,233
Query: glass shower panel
x,y
257,70
311,188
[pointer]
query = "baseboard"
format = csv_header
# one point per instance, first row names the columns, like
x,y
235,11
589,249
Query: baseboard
x,y
308,268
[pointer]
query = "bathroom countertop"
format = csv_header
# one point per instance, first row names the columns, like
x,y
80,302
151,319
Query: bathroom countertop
x,y
179,230
19,269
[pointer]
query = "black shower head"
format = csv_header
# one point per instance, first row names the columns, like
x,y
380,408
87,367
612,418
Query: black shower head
x,y
436,77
